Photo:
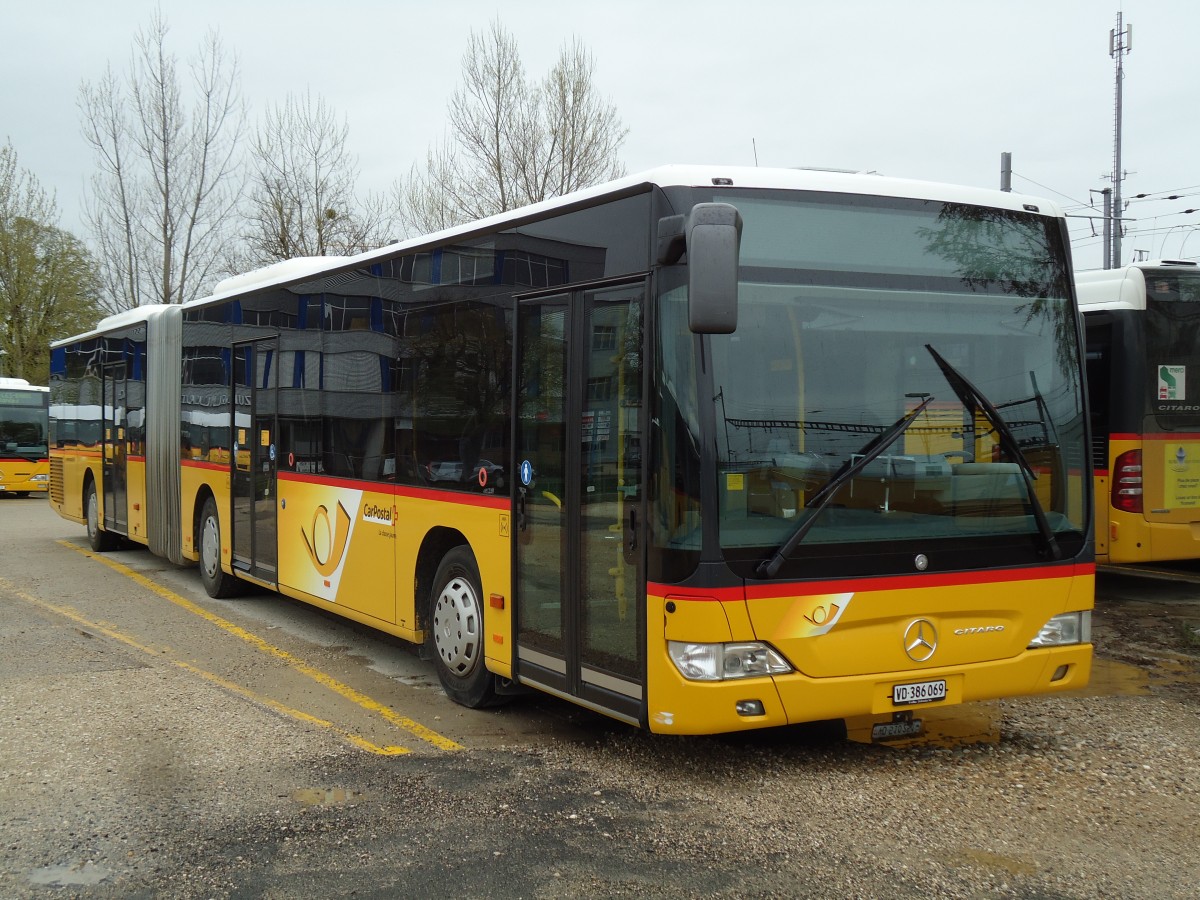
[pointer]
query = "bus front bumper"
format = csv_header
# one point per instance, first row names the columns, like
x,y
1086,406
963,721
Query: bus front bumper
x,y
677,706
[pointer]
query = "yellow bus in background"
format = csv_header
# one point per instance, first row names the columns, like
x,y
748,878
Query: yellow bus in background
x,y
704,449
1142,325
24,462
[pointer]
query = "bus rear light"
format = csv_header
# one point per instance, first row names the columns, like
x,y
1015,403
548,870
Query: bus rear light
x,y
1127,482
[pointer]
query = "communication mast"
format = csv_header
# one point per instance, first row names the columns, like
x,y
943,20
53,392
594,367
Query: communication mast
x,y
1120,42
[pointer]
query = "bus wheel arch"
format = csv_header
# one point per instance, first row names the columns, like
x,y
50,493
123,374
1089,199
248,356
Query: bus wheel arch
x,y
99,540
454,626
217,582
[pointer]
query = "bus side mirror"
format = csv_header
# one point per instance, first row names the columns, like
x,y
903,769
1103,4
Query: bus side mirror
x,y
711,234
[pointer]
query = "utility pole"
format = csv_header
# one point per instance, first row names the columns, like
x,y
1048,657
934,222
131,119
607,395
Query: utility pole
x,y
1006,171
1108,228
1120,42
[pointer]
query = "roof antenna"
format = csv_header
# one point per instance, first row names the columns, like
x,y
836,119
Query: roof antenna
x,y
754,144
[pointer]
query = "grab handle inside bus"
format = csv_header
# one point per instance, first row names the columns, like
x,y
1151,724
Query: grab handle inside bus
x,y
711,234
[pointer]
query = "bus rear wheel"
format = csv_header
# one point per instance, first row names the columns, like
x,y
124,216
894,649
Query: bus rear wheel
x,y
217,583
456,631
99,540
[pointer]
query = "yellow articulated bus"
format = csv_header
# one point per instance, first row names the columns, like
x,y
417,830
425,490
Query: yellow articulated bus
x,y
704,449
24,463
1142,325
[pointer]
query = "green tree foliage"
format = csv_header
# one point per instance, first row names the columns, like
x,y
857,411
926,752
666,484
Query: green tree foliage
x,y
48,286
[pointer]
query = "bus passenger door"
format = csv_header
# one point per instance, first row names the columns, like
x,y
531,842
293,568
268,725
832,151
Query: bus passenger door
x,y
116,497
253,484
578,574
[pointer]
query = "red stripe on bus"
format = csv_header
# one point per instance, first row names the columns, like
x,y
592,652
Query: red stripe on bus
x,y
936,579
1173,436
881,583
414,493
201,464
1167,436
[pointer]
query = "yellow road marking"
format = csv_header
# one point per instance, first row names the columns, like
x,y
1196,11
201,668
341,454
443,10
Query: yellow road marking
x,y
324,679
110,631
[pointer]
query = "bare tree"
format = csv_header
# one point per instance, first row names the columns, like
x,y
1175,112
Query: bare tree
x,y
512,141
302,199
167,183
47,286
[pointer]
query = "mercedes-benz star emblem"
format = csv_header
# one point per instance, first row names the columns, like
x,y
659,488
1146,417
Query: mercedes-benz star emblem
x,y
920,640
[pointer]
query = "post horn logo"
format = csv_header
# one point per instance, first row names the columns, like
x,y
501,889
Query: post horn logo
x,y
920,640
328,543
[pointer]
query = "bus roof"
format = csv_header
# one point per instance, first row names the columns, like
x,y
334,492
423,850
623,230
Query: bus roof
x,y
1124,287
19,384
123,319
293,271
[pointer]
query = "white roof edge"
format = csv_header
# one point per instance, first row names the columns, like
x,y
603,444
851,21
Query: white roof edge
x,y
285,270
834,181
135,316
7,382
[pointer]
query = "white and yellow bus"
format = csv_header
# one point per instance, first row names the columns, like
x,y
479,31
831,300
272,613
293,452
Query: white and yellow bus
x,y
1142,325
24,462
704,449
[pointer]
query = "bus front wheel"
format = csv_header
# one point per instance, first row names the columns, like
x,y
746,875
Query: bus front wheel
x,y
456,631
217,582
99,540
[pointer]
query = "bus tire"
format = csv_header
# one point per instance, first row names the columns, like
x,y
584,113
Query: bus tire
x,y
99,540
217,582
456,631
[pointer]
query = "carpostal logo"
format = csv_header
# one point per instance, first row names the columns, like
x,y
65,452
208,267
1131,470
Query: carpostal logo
x,y
379,515
327,544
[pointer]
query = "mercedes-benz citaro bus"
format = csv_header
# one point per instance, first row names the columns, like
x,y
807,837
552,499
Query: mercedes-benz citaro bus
x,y
24,463
705,449
1142,325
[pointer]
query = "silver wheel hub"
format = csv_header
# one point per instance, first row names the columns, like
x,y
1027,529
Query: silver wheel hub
x,y
457,625
210,551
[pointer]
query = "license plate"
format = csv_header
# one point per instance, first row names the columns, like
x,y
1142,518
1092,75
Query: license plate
x,y
919,692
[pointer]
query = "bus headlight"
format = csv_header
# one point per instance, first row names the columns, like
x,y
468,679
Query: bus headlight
x,y
720,662
42,476
1068,628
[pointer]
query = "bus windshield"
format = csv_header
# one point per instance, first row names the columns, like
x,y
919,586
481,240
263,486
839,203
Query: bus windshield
x,y
832,349
23,424
1173,349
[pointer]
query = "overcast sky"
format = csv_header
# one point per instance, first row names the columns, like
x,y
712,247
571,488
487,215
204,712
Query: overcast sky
x,y
928,89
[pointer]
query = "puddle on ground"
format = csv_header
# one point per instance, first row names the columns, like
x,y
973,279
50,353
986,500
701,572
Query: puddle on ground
x,y
996,861
1111,678
325,796
980,723
86,874
941,726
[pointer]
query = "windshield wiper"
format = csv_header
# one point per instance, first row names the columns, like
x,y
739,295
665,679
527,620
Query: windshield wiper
x,y
867,454
974,399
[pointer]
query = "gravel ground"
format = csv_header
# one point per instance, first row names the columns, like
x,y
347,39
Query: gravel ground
x,y
124,778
